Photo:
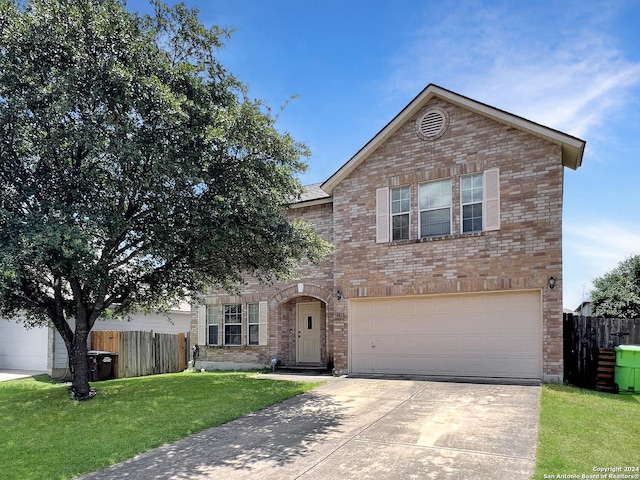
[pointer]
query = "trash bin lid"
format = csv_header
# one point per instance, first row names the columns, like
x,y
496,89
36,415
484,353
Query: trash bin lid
x,y
629,348
101,352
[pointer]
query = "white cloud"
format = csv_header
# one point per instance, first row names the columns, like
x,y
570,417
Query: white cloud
x,y
592,250
526,62
601,246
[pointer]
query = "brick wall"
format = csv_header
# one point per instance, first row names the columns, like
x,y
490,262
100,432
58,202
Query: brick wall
x,y
523,254
309,283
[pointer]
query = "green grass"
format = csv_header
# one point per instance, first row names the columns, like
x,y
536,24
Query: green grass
x,y
44,435
582,429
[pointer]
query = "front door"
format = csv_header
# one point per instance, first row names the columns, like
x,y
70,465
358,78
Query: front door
x,y
308,343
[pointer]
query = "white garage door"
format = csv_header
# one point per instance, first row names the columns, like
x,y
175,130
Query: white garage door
x,y
496,335
22,349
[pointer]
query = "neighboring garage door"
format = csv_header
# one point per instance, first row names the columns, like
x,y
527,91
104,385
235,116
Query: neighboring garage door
x,y
496,335
22,349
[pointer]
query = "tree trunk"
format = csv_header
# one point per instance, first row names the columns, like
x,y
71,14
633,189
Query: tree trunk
x,y
79,363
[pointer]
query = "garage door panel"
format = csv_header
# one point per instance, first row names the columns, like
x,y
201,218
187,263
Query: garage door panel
x,y
22,348
483,335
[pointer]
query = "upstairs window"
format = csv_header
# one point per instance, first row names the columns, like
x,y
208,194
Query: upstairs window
x,y
471,200
478,204
434,200
400,205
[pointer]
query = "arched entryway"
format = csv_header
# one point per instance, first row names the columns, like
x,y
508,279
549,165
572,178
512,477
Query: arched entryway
x,y
302,332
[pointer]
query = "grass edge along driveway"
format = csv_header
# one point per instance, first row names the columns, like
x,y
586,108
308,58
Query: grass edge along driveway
x,y
44,435
587,434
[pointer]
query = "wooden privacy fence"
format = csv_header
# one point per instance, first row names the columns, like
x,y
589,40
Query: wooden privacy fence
x,y
586,339
143,353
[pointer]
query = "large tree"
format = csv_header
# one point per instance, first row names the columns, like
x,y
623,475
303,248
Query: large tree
x,y
617,293
134,170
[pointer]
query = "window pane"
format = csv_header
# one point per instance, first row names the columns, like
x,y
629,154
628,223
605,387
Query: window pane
x,y
401,227
476,181
213,314
254,334
213,335
233,313
477,194
400,200
435,223
472,217
252,313
435,194
232,334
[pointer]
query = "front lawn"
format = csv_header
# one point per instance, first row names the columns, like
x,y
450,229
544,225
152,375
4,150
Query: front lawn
x,y
44,435
581,431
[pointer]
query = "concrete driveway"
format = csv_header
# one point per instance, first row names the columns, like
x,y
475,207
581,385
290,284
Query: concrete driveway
x,y
352,428
7,375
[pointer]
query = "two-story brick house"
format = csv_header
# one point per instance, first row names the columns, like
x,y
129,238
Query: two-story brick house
x,y
447,228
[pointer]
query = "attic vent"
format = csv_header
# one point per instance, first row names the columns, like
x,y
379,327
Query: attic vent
x,y
432,124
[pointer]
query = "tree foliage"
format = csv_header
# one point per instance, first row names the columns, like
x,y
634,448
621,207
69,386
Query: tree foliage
x,y
617,293
134,169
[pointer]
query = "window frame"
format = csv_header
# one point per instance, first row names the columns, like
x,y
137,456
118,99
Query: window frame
x,y
472,203
402,213
213,313
227,316
253,320
421,210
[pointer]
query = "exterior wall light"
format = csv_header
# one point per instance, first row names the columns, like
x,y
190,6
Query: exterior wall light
x,y
339,295
552,283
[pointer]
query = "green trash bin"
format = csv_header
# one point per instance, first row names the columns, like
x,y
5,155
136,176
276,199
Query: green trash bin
x,y
627,376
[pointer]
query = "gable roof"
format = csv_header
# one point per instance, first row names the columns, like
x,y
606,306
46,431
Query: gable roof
x,y
572,147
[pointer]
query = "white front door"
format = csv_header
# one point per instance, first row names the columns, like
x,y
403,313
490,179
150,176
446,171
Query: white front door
x,y
308,342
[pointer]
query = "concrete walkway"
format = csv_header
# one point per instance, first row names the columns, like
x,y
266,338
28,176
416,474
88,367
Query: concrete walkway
x,y
362,429
6,375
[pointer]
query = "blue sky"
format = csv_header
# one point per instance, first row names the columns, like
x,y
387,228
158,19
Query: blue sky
x,y
354,64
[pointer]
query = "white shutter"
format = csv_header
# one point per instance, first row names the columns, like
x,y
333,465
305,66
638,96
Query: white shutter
x,y
492,199
262,320
202,325
382,215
